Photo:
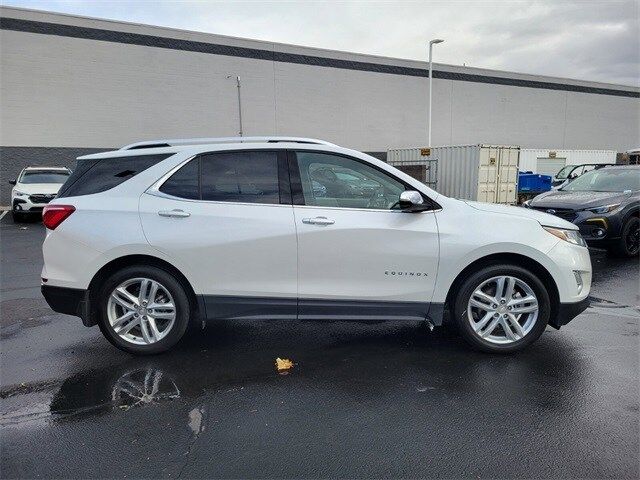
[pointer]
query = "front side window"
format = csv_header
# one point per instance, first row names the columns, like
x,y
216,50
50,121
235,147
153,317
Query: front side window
x,y
333,181
564,172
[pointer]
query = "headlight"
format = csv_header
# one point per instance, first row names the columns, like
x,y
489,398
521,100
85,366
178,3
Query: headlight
x,y
604,208
19,193
571,236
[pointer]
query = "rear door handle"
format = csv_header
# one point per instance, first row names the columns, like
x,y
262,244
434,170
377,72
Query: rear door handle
x,y
318,221
174,213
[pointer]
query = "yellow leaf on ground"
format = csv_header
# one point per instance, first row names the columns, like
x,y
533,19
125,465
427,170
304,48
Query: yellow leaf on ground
x,y
283,364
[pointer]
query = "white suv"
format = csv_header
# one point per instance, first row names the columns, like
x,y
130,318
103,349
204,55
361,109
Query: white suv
x,y
159,235
34,188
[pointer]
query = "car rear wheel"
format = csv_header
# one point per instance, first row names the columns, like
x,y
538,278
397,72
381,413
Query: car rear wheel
x,y
502,308
629,243
143,310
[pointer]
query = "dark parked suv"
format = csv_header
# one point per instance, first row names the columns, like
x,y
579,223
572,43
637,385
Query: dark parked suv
x,y
604,204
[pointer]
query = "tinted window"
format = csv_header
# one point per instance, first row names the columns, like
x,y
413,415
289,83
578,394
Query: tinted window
x,y
94,176
44,176
184,183
250,177
335,181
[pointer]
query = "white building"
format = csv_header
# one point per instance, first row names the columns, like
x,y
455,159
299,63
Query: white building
x,y
70,85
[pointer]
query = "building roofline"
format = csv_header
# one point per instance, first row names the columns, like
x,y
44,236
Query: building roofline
x,y
16,18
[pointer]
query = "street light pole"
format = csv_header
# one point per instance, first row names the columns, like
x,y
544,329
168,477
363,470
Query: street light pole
x,y
239,103
431,44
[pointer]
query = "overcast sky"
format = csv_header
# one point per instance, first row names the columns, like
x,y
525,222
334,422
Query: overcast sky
x,y
589,40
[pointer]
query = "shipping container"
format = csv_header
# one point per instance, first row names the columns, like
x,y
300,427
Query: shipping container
x,y
416,163
485,173
548,161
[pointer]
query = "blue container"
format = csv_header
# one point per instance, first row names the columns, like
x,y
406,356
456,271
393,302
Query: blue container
x,y
533,182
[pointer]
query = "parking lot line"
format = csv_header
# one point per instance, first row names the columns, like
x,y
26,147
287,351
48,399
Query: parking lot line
x,y
3,214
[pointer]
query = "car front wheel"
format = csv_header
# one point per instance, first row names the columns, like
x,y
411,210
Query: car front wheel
x,y
143,310
629,243
18,217
502,308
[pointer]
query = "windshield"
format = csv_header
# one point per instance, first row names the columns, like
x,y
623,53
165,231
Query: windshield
x,y
606,180
44,176
564,172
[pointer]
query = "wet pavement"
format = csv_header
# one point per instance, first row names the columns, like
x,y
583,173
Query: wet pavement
x,y
362,400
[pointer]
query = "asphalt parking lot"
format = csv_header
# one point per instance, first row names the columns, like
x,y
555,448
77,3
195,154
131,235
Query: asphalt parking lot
x,y
363,399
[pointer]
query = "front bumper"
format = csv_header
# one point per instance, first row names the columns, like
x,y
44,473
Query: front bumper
x,y
70,301
26,205
569,311
596,228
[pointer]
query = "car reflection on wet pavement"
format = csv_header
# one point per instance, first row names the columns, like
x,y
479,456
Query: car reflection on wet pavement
x,y
368,399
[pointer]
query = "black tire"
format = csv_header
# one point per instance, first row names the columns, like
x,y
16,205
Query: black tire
x,y
628,245
18,217
460,303
167,280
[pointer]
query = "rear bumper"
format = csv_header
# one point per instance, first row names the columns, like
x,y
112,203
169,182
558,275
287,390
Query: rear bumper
x,y
70,301
569,311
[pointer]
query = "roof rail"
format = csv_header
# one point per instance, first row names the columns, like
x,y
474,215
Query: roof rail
x,y
204,141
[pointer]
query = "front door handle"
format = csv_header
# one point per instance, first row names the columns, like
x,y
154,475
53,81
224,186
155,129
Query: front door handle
x,y
318,221
174,213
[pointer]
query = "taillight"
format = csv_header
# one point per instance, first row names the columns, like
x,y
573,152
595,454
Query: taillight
x,y
54,215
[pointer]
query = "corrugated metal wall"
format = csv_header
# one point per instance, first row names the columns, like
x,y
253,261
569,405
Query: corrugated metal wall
x,y
485,173
529,157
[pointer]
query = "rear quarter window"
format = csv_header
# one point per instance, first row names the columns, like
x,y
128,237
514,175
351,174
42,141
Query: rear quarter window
x,y
95,176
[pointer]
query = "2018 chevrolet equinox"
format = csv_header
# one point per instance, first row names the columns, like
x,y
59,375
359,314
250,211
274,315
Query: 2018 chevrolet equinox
x,y
151,238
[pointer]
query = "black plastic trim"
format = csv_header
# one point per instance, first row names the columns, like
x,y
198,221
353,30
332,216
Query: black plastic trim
x,y
225,307
70,301
238,307
569,311
311,309
284,180
114,36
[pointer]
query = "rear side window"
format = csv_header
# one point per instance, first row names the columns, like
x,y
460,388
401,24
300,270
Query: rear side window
x,y
95,176
250,177
247,177
185,182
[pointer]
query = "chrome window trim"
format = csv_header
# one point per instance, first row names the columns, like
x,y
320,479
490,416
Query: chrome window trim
x,y
154,190
385,210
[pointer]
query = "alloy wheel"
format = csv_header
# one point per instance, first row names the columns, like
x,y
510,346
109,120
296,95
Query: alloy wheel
x,y
141,311
633,239
502,309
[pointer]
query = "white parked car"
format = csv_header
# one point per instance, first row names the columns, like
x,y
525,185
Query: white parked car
x,y
154,237
34,188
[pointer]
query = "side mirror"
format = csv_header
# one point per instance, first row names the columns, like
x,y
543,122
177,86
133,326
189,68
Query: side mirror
x,y
12,182
411,201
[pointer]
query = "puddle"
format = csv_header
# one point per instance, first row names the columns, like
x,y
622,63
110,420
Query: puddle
x,y
607,307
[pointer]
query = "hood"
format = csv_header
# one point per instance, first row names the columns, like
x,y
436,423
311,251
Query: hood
x,y
35,188
577,200
541,217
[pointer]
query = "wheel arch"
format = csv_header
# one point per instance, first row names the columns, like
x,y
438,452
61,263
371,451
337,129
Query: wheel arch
x,y
132,260
633,212
514,259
